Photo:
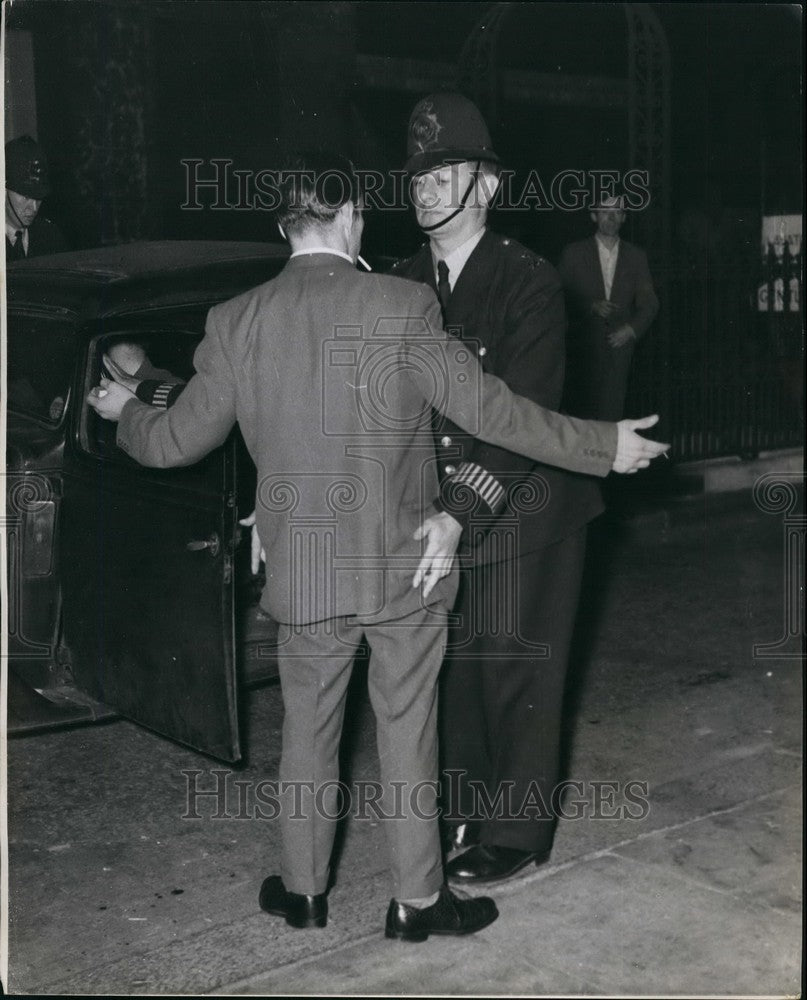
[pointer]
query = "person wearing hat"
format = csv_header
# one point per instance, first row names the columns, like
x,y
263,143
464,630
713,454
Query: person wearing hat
x,y
612,303
330,373
28,234
523,524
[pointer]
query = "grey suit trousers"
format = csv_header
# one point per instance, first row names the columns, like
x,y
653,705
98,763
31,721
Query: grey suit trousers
x,y
315,664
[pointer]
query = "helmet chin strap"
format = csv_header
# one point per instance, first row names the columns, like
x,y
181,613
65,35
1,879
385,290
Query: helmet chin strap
x,y
14,210
465,197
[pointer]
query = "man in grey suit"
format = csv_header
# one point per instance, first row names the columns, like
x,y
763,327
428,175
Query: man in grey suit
x,y
332,375
611,302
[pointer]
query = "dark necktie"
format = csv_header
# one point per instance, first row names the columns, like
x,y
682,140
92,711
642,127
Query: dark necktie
x,y
17,250
443,287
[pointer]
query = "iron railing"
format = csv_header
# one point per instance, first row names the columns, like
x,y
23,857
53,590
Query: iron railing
x,y
725,372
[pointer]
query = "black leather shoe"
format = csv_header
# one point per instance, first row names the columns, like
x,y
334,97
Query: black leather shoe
x,y
488,863
299,910
451,914
458,836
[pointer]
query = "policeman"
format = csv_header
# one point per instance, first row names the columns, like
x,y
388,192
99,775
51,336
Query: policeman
x,y
28,234
523,524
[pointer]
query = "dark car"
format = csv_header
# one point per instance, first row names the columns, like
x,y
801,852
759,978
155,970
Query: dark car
x,y
121,578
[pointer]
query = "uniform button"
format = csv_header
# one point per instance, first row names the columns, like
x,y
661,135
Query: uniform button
x,y
445,441
450,470
483,351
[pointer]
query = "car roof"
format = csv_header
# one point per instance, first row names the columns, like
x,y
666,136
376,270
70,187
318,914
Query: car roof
x,y
139,277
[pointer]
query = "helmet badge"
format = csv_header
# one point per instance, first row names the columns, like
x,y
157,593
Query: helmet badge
x,y
425,126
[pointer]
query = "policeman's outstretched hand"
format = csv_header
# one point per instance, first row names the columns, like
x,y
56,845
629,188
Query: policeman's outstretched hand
x,y
633,452
442,533
109,398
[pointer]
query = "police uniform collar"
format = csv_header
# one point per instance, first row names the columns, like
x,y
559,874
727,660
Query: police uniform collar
x,y
457,258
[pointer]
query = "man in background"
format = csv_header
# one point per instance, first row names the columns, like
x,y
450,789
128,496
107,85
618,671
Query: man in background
x,y
329,374
611,302
28,233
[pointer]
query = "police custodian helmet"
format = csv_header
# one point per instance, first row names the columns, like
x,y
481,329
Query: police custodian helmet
x,y
446,128
26,168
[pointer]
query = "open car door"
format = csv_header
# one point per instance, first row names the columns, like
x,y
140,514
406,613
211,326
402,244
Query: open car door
x,y
147,578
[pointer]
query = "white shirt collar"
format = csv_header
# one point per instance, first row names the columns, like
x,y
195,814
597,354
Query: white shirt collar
x,y
310,250
608,259
603,248
458,258
10,233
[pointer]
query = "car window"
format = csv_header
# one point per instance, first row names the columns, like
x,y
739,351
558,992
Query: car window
x,y
41,357
160,357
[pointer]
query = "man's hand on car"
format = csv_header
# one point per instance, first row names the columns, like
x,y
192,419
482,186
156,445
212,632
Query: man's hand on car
x,y
633,452
109,398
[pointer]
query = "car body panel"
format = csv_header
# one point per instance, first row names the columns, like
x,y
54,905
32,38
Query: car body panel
x,y
148,621
106,598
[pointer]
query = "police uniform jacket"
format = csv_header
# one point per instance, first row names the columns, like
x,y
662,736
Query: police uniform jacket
x,y
507,306
331,374
44,237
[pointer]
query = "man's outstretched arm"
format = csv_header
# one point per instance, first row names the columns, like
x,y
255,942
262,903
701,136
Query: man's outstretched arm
x,y
483,405
199,421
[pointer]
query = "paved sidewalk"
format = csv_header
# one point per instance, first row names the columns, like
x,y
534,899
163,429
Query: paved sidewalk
x,y
115,890
700,897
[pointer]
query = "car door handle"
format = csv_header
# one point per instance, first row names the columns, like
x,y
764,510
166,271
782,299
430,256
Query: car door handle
x,y
213,544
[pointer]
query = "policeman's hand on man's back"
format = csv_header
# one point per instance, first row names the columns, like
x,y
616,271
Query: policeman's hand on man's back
x,y
442,534
633,452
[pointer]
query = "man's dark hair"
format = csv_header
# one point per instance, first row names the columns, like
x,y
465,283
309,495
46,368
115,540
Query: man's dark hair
x,y
313,186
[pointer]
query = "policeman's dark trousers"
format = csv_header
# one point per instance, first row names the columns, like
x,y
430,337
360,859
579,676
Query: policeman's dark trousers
x,y
315,664
501,700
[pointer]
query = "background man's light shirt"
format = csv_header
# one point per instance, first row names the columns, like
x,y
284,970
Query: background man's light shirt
x,y
608,260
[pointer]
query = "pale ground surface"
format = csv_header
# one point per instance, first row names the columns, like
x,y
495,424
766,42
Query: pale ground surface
x,y
113,891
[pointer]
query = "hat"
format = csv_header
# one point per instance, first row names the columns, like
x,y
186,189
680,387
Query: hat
x,y
26,168
446,128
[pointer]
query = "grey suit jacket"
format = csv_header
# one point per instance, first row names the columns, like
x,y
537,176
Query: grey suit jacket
x,y
332,374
